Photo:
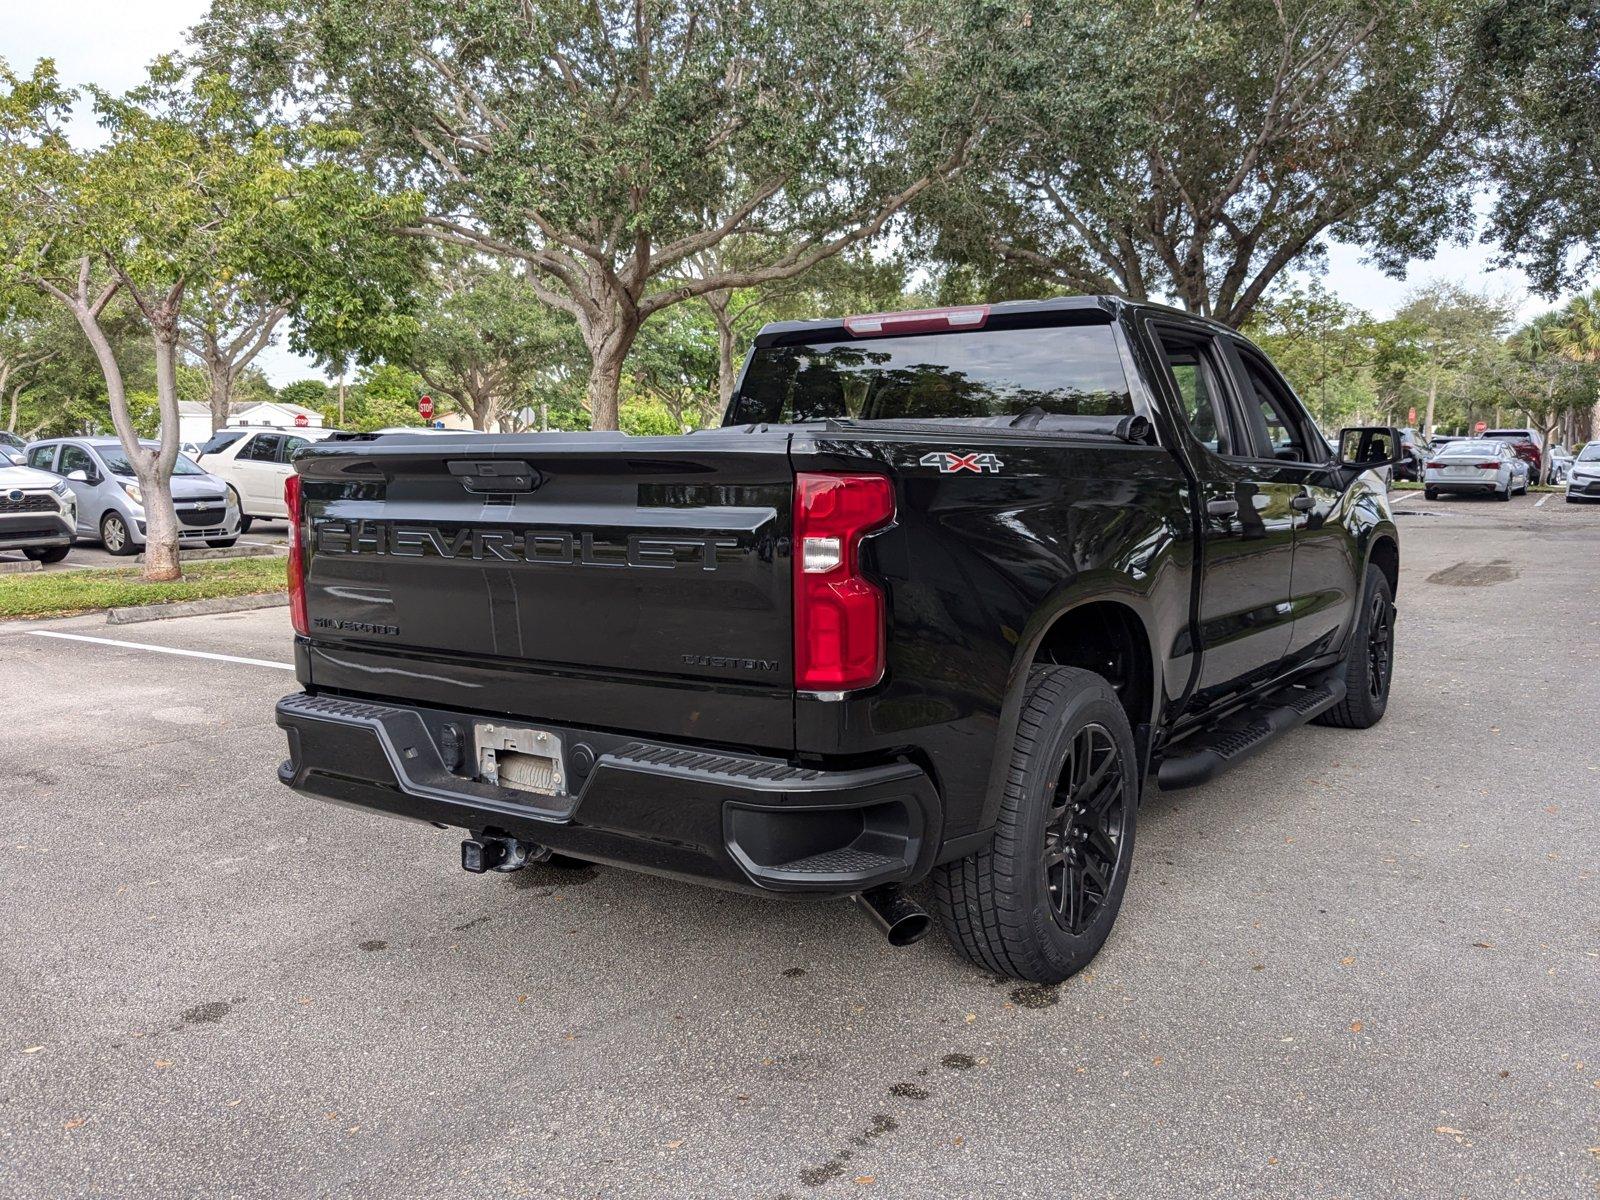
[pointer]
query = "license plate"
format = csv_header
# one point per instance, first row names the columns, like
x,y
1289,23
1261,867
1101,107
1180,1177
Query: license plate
x,y
521,758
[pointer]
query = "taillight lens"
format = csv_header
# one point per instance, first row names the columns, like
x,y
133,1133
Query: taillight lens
x,y
838,612
1489,466
297,557
1433,466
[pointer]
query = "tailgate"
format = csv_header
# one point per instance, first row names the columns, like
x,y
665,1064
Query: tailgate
x,y
594,579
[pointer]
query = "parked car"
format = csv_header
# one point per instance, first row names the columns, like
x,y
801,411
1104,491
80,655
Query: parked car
x,y
945,593
1583,482
38,513
1560,463
1526,443
11,456
11,441
1416,455
1480,467
254,463
111,506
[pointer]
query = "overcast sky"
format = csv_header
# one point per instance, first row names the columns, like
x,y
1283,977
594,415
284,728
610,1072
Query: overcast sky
x,y
108,42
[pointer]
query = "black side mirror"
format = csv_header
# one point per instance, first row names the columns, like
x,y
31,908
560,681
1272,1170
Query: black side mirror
x,y
1368,446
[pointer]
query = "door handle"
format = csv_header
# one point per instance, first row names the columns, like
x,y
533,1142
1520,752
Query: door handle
x,y
1303,503
1222,508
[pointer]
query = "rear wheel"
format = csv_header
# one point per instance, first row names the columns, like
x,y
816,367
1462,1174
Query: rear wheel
x,y
1368,660
1039,902
115,537
1506,494
1429,493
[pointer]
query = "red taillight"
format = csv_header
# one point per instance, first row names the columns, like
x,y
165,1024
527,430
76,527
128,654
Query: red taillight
x,y
838,612
917,320
1489,466
1434,466
297,557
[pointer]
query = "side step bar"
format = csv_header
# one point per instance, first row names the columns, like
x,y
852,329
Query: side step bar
x,y
1204,756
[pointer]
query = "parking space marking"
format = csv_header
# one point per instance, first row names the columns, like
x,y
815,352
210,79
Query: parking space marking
x,y
233,658
1539,503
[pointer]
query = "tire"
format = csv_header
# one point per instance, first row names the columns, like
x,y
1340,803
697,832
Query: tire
x,y
1505,495
999,905
238,502
221,543
114,536
47,554
1368,669
1429,493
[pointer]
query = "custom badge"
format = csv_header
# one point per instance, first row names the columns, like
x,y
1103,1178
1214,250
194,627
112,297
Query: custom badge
x,y
949,463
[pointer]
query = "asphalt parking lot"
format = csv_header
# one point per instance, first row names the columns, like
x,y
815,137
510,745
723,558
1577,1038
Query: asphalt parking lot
x,y
1362,965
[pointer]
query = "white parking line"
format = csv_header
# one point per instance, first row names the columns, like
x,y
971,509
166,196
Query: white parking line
x,y
1539,503
81,637
1393,500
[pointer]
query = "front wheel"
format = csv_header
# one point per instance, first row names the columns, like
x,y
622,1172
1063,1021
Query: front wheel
x,y
47,554
115,537
1040,900
1368,660
221,543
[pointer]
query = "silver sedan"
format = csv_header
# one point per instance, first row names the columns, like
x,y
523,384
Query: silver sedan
x,y
1480,466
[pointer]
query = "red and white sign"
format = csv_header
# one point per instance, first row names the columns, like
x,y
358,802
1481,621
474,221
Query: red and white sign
x,y
425,407
301,420
1480,427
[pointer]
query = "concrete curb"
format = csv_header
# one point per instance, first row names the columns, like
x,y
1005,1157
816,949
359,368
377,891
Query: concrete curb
x,y
201,553
20,568
194,608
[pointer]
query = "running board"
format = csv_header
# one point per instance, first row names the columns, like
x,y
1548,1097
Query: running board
x,y
1206,755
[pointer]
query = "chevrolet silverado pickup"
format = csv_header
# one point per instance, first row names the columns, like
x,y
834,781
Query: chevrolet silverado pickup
x,y
943,595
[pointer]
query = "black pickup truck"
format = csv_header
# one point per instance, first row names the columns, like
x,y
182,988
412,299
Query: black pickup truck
x,y
944,594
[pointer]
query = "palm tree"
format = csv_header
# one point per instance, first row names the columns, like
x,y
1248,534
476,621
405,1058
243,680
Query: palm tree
x,y
1578,338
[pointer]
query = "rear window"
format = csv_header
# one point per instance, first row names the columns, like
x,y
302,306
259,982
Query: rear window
x,y
1471,449
1510,435
221,440
1057,370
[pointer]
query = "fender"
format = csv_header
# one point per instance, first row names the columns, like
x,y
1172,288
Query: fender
x,y
1088,587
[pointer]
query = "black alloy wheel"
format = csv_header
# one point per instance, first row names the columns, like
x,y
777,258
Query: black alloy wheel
x,y
1083,829
1380,646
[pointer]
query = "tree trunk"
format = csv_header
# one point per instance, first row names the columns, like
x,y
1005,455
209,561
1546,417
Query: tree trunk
x,y
608,343
155,471
1433,396
717,302
221,395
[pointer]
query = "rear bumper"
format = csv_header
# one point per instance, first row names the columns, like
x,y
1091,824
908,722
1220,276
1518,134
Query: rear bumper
x,y
1480,487
745,822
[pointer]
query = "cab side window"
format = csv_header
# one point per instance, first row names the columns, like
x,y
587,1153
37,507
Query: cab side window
x,y
1197,372
264,447
76,458
1279,427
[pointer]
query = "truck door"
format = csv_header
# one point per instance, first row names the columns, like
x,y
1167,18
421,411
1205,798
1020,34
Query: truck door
x,y
1247,514
1289,447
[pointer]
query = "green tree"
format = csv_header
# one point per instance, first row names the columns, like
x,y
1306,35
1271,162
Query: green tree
x,y
490,346
185,192
1550,386
1544,151
307,393
1456,338
604,143
1577,335
1197,151
225,325
1327,349
384,395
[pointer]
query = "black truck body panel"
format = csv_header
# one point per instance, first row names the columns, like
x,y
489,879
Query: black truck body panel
x,y
634,595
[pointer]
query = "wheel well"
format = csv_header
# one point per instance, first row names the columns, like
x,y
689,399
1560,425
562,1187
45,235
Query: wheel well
x,y
1385,556
1108,639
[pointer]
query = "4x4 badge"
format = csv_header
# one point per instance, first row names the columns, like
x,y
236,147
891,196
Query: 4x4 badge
x,y
949,463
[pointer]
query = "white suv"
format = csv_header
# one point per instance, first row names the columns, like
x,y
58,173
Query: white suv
x,y
254,463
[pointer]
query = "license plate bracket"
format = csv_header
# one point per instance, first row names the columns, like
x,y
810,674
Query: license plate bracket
x,y
522,758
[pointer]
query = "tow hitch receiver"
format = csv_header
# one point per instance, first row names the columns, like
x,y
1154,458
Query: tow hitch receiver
x,y
490,853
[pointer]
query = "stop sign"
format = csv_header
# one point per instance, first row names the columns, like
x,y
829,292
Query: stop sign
x,y
301,420
1480,427
425,407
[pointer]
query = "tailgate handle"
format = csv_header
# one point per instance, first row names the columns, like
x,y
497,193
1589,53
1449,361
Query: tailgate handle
x,y
496,475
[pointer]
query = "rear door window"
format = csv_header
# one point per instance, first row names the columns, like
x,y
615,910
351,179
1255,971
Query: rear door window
x,y
1198,375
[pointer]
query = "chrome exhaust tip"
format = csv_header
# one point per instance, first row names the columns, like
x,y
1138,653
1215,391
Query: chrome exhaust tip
x,y
901,919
